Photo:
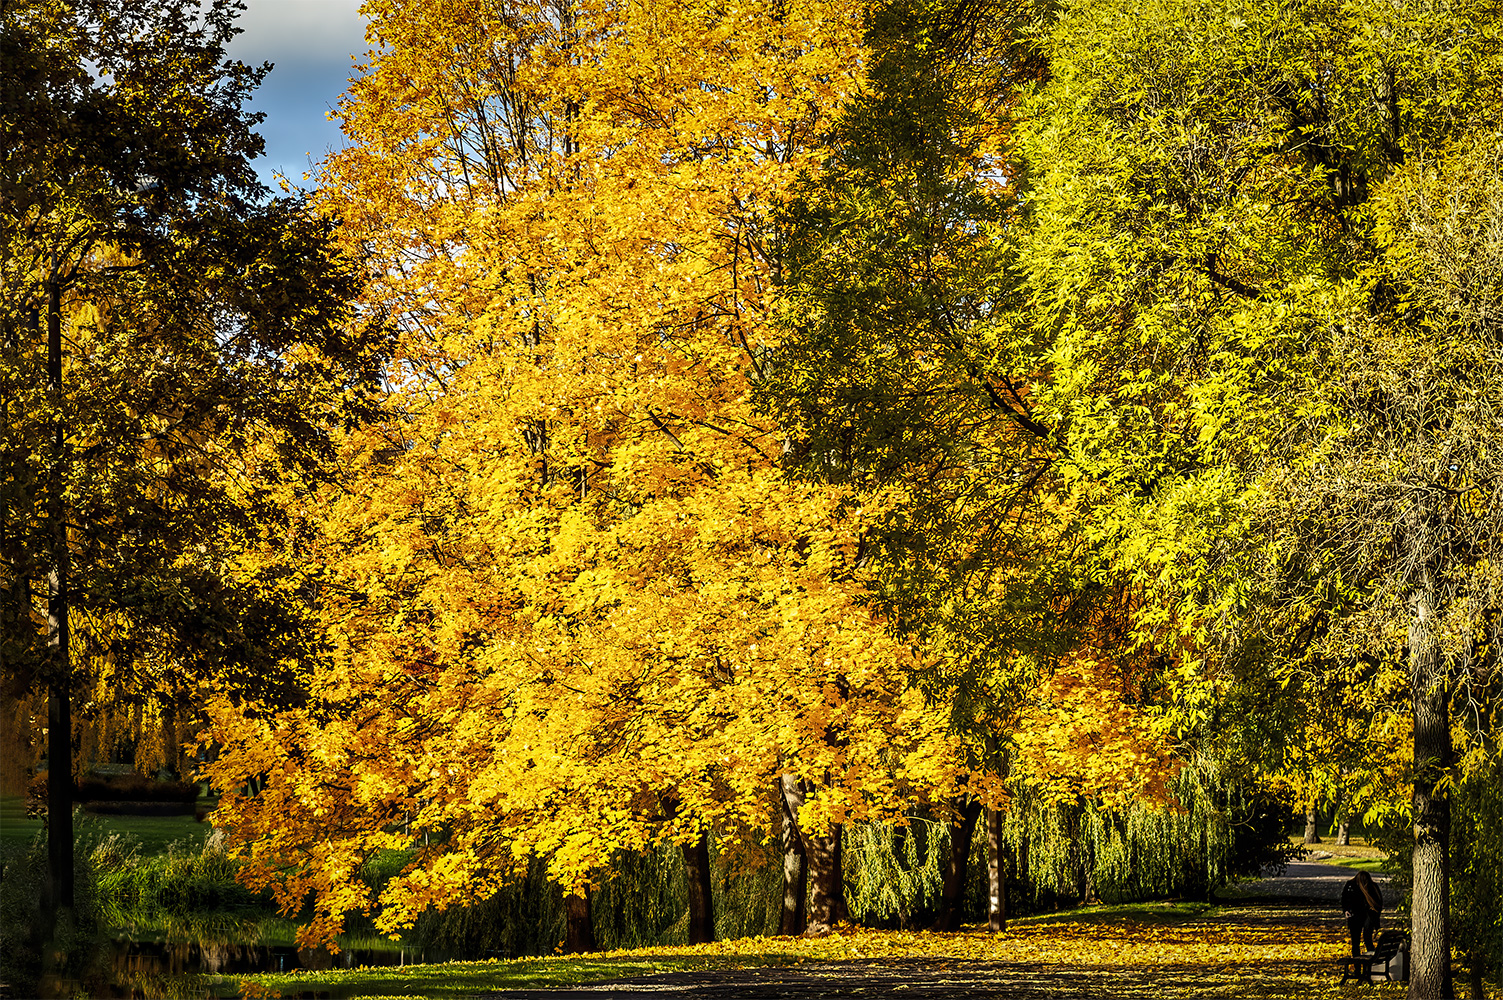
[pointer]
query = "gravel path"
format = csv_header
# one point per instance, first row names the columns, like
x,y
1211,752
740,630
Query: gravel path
x,y
1305,881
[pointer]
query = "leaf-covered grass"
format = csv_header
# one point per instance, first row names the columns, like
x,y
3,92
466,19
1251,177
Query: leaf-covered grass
x,y
1154,950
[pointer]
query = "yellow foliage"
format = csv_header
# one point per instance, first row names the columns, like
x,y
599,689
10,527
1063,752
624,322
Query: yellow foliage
x,y
570,601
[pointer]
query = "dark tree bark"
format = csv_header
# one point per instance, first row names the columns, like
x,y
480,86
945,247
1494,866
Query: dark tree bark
x,y
1430,951
795,859
701,904
996,873
953,879
579,931
825,901
1312,824
60,665
826,882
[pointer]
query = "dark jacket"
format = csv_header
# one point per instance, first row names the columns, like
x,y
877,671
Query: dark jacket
x,y
1355,903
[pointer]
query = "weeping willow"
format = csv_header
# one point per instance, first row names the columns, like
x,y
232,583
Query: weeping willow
x,y
1055,854
1062,854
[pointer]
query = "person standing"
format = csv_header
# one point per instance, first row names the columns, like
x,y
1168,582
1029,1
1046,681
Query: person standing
x,y
1363,905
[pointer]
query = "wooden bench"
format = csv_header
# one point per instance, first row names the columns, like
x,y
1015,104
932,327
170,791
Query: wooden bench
x,y
1389,961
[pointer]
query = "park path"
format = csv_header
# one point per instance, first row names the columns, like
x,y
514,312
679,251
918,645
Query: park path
x,y
1308,881
1299,905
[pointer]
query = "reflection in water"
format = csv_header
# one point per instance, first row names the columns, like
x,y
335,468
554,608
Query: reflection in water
x,y
190,969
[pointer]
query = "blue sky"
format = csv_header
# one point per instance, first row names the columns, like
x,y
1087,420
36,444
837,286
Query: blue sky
x,y
310,43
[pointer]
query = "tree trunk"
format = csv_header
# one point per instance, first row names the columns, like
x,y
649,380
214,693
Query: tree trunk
x,y
795,858
1024,873
825,901
1430,952
1082,857
1344,830
826,884
1312,824
842,910
1087,870
60,666
996,873
953,878
579,931
701,906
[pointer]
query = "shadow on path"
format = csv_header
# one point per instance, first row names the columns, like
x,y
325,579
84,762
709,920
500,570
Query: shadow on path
x,y
1276,937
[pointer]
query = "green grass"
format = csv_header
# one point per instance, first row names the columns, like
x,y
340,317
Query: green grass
x,y
153,833
467,979
1371,864
1358,854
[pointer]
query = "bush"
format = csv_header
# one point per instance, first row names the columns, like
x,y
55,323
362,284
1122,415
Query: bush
x,y
188,893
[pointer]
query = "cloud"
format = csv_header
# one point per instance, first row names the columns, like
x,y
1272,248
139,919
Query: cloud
x,y
297,30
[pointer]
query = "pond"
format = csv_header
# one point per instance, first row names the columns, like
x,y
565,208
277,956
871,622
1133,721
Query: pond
x,y
207,969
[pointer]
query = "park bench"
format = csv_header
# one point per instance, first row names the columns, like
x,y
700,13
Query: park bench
x,y
1389,961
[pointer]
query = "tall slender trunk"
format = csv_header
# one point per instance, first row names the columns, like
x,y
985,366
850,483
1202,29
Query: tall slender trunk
x,y
842,910
795,859
579,929
1023,871
59,693
701,904
996,873
1087,869
1430,953
953,878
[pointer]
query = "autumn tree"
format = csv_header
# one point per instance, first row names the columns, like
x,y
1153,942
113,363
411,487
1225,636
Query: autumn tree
x,y
907,376
159,314
1273,386
574,605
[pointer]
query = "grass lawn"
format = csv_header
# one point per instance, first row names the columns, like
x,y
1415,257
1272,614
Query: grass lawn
x,y
458,980
1356,861
154,833
1358,854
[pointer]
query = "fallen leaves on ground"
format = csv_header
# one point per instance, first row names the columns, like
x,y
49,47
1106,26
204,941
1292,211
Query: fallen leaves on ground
x,y
1137,953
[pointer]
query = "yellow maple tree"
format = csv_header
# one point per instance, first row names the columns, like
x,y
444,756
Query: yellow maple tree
x,y
573,603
